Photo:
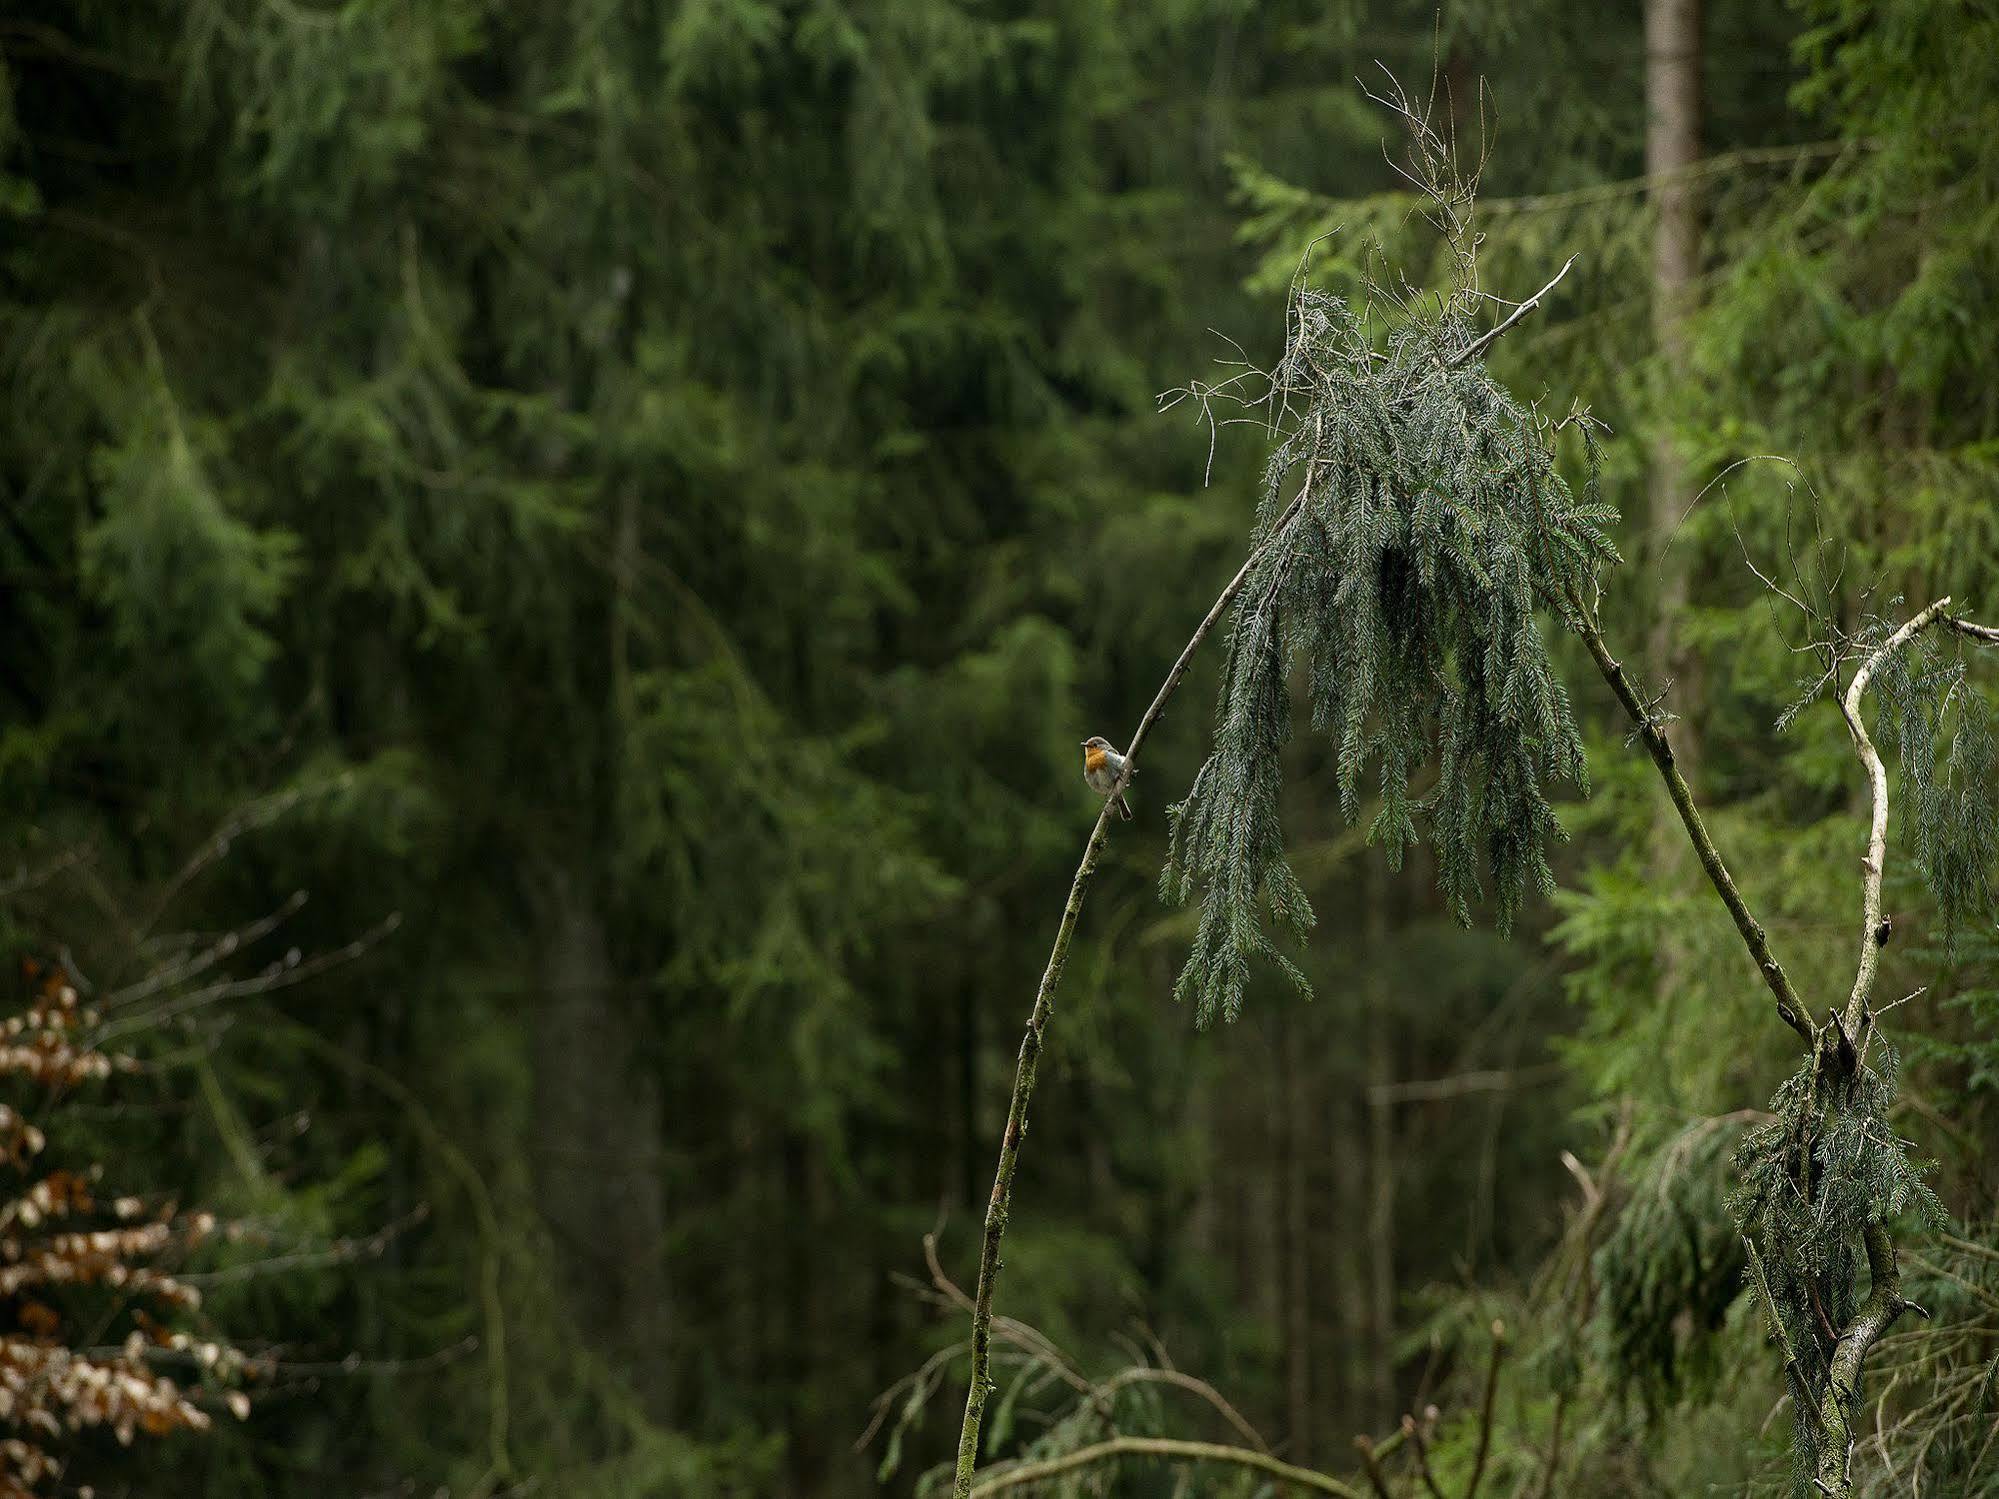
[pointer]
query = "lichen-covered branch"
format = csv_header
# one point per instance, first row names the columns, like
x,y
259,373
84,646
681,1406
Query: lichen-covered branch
x,y
1839,1403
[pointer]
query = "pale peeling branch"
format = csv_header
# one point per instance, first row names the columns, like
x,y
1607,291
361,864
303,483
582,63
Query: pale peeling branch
x,y
1839,1405
1877,830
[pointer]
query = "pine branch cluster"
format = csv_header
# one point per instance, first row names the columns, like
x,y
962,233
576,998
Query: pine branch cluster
x,y
1405,586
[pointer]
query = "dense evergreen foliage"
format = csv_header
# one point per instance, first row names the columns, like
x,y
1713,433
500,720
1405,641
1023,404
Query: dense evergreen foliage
x,y
651,495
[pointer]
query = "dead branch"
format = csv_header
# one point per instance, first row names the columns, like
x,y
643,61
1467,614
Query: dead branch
x,y
1163,1447
1877,830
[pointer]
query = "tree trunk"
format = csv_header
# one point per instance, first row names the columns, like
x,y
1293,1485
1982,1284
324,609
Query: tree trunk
x,y
1672,147
1352,1317
1380,1157
1672,150
596,1152
1297,1248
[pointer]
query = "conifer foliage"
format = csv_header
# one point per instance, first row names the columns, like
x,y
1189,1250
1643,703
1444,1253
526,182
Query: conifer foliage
x,y
1430,525
1428,528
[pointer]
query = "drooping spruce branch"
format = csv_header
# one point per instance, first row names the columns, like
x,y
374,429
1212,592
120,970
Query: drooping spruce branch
x,y
1438,520
1270,563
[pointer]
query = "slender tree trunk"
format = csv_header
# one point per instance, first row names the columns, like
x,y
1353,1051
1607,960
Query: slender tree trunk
x,y
1380,1156
1672,150
1352,1316
596,1154
1297,1248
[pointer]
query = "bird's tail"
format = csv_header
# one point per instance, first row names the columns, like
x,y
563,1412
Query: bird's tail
x,y
1123,807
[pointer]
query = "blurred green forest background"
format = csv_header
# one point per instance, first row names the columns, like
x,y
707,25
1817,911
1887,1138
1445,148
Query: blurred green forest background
x,y
630,507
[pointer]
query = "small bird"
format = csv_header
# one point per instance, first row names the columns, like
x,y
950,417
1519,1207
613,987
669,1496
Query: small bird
x,y
1884,931
1102,765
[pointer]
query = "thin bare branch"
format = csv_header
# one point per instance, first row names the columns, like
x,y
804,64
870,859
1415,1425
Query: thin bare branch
x,y
1486,1409
1163,1447
1370,1459
1492,335
1987,633
1414,1433
1790,1009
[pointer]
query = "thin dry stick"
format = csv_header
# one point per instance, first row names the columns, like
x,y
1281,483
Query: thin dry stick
x,y
1145,1374
1370,1457
1485,1409
1492,336
1422,1450
1190,1452
1103,1396
1028,1064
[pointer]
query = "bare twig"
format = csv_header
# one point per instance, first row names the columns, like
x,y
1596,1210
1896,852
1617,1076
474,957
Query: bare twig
x,y
1491,336
1370,1459
1486,1408
1037,1344
1145,1374
1414,1433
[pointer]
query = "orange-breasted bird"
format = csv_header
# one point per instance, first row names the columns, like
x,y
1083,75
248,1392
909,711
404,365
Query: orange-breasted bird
x,y
1102,765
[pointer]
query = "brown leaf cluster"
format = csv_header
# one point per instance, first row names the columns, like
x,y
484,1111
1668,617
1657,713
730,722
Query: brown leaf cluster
x,y
59,1235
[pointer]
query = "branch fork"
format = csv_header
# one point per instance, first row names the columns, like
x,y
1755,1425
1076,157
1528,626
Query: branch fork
x,y
1837,1047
